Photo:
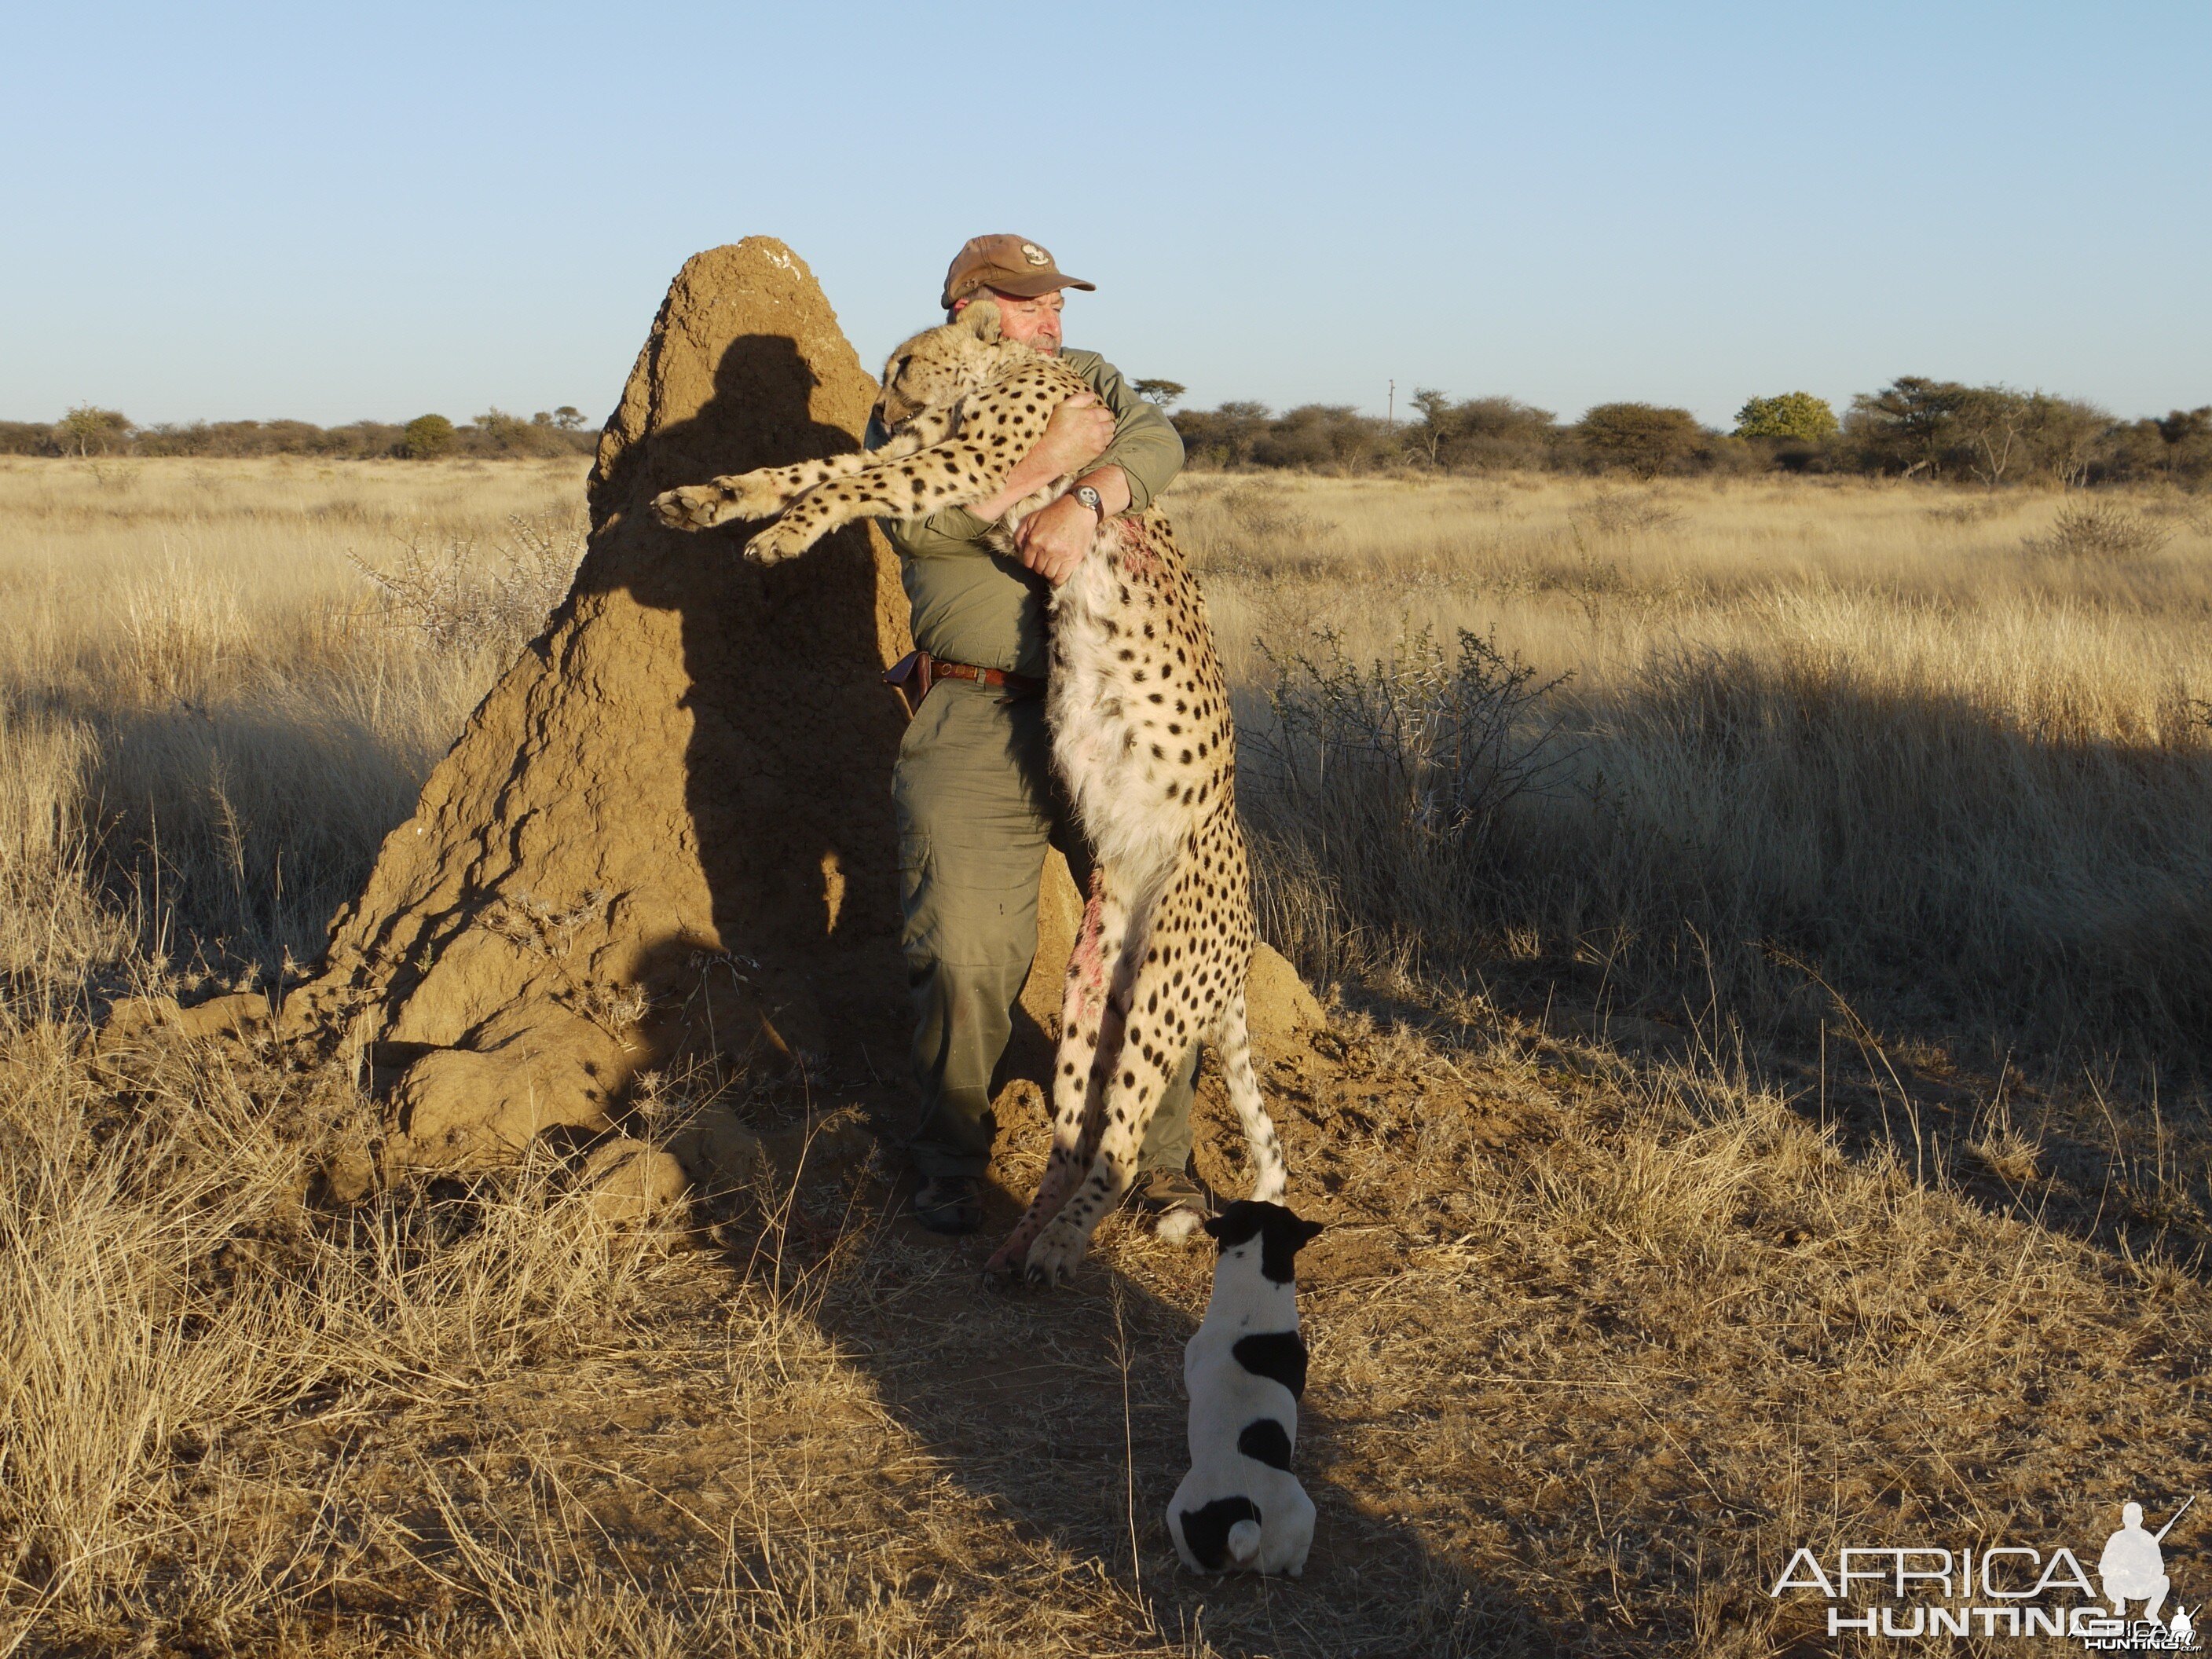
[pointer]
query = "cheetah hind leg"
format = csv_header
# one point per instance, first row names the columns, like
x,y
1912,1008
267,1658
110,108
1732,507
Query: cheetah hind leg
x,y
1233,1044
1132,1099
1091,1023
1134,1080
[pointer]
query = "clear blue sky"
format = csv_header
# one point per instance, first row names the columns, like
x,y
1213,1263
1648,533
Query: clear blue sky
x,y
382,208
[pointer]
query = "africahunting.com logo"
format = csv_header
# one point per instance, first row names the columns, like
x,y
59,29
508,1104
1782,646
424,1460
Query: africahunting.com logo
x,y
2004,1590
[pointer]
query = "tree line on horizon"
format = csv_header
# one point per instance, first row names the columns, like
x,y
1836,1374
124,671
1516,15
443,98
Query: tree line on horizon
x,y
87,430
1915,427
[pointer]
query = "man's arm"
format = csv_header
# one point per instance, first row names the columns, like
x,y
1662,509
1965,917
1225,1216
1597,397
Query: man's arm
x,y
1129,449
1146,447
1078,430
1141,461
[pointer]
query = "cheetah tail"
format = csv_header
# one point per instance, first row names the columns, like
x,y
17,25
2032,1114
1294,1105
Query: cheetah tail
x,y
1233,1044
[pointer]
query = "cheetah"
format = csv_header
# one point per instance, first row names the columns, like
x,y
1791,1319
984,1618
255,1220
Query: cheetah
x,y
1142,738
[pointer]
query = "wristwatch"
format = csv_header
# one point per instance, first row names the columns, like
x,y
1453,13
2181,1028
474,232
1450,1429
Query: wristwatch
x,y
1090,498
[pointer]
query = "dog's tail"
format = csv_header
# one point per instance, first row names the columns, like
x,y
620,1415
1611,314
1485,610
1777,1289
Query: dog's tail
x,y
1244,1543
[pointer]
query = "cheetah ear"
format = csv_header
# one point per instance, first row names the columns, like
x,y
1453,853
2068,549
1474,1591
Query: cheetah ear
x,y
982,318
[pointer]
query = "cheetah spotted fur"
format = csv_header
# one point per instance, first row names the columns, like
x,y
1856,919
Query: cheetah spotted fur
x,y
1142,737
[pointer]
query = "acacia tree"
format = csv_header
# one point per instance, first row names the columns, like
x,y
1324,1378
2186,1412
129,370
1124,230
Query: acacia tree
x,y
86,429
2066,437
1907,425
1991,425
2186,435
1226,436
1644,438
1428,438
1163,392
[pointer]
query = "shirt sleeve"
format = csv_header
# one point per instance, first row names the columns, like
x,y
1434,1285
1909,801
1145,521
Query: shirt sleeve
x,y
1146,447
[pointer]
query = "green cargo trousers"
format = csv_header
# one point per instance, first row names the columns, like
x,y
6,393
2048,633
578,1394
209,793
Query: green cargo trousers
x,y
977,805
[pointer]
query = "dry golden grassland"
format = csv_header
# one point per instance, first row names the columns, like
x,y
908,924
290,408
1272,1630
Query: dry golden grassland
x,y
1910,734
1763,1106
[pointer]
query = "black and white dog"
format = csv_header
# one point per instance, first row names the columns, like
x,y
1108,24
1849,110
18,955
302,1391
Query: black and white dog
x,y
1240,1509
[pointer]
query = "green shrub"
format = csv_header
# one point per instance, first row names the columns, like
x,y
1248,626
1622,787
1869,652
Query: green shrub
x,y
2100,530
1796,415
1642,438
427,436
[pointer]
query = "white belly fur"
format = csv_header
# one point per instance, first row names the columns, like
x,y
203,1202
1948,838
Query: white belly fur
x,y
1119,791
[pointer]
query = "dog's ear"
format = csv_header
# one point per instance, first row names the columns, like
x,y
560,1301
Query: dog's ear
x,y
982,317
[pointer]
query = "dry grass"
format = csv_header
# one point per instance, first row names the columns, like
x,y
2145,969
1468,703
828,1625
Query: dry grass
x,y
251,710
1882,728
1655,1252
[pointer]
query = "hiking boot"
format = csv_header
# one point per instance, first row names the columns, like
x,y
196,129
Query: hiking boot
x,y
1177,1197
950,1203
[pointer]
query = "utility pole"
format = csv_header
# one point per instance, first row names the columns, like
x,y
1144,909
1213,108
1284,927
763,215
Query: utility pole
x,y
1390,416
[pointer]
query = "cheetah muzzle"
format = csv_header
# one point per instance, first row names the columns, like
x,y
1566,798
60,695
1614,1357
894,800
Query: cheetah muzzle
x,y
1142,738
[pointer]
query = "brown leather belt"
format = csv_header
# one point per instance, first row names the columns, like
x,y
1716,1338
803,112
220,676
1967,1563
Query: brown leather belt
x,y
912,675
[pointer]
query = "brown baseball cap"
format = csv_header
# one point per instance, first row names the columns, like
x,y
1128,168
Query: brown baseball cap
x,y
1012,264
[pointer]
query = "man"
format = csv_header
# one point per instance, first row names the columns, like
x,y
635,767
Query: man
x,y
976,798
2133,1567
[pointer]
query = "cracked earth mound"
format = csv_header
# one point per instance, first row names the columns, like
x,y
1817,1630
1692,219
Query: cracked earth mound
x,y
666,833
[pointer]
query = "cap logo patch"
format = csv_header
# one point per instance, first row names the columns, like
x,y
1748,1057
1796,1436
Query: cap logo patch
x,y
1035,255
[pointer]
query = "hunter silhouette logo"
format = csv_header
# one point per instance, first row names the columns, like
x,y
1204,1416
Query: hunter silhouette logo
x,y
1999,1589
2133,1567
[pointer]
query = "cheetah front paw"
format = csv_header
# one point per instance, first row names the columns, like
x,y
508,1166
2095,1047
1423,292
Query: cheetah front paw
x,y
759,494
694,507
777,543
1052,1259
722,500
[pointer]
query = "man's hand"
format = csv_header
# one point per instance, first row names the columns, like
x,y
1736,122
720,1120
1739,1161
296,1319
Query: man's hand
x,y
1056,539
1078,434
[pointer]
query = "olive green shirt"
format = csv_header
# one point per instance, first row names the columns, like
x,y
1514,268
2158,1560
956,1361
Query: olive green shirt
x,y
975,606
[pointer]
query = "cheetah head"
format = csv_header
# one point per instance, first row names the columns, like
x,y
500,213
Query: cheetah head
x,y
940,365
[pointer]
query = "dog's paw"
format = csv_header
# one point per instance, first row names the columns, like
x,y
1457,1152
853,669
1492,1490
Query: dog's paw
x,y
1052,1259
776,544
693,506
